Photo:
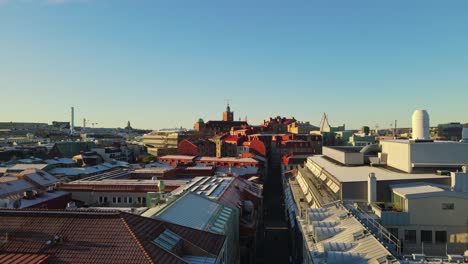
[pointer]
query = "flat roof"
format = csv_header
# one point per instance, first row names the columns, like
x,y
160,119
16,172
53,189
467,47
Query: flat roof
x,y
422,190
409,141
153,170
181,157
228,159
360,173
415,189
345,149
129,182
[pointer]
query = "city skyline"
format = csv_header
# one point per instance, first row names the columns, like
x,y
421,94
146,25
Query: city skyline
x,y
160,65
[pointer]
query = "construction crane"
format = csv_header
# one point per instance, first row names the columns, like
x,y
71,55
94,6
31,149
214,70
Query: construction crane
x,y
322,122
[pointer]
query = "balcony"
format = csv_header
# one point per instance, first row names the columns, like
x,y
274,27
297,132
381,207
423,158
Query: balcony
x,y
389,215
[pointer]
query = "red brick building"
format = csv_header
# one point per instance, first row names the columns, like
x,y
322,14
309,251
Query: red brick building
x,y
199,147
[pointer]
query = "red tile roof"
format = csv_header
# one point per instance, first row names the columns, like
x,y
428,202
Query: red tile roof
x,y
8,258
95,237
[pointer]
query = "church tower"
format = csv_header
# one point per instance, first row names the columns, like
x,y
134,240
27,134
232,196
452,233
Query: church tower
x,y
228,116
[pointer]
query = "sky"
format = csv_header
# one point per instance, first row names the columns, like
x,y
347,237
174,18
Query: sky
x,y
161,64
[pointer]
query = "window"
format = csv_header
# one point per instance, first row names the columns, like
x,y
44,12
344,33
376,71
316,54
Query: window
x,y
114,199
410,236
130,200
393,231
119,199
125,199
448,206
398,202
139,200
441,236
426,236
144,200
102,199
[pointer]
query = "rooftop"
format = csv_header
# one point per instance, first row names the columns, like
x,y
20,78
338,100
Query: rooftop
x,y
109,237
21,167
247,170
422,190
40,177
177,157
228,159
408,141
13,188
153,170
60,161
43,197
86,170
158,164
209,186
360,173
333,235
198,212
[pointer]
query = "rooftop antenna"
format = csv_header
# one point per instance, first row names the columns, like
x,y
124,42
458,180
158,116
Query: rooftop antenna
x,y
227,103
322,122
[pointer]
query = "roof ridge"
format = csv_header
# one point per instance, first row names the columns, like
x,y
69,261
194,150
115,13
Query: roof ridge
x,y
150,260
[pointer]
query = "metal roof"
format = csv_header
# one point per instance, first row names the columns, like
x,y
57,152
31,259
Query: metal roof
x,y
21,167
335,237
422,190
190,210
360,173
198,212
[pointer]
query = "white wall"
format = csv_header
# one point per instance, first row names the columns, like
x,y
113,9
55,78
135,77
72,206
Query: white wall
x,y
428,211
439,152
397,154
343,157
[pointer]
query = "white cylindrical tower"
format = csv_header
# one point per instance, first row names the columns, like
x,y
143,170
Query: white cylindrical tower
x,y
421,125
371,188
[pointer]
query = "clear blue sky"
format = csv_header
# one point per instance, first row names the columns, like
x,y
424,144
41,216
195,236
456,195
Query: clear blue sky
x,y
167,63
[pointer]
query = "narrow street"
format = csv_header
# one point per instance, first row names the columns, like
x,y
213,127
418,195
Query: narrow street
x,y
275,246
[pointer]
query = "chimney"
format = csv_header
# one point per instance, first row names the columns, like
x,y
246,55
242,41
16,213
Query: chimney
x,y
72,128
371,188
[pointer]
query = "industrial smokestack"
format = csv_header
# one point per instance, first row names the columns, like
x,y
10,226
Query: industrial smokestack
x,y
72,128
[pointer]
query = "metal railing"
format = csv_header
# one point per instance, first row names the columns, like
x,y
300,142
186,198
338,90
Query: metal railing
x,y
379,231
